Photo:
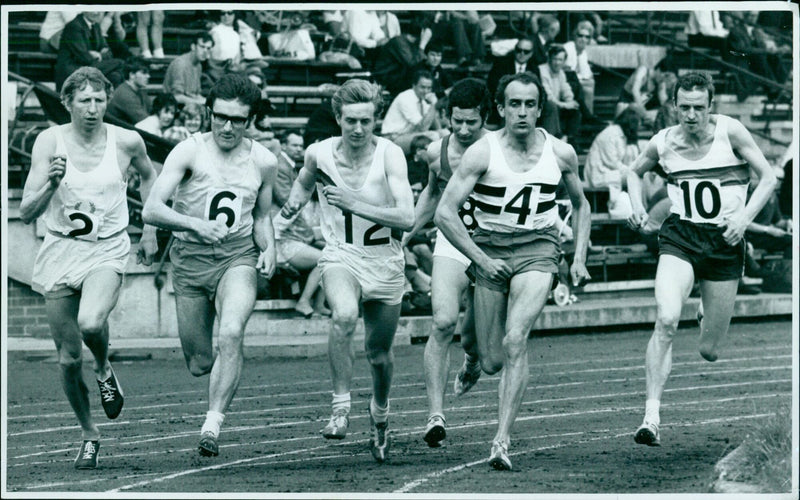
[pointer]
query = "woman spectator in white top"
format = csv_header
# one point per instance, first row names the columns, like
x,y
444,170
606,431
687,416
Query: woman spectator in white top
x,y
578,60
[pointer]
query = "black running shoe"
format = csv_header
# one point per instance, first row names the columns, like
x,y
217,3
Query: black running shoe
x,y
379,441
87,456
208,445
111,396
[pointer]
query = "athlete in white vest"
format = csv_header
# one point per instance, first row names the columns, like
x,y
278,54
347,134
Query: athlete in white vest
x,y
222,185
78,183
365,204
706,160
468,107
512,175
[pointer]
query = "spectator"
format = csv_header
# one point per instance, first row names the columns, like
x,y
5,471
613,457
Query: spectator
x,y
150,22
52,28
82,44
705,29
294,240
162,117
433,64
547,29
332,21
395,62
560,93
462,31
577,62
260,129
667,115
183,79
256,76
226,54
771,230
130,102
413,113
193,117
610,156
366,30
646,87
417,162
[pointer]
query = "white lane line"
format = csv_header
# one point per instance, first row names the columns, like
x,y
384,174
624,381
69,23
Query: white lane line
x,y
305,395
326,381
434,475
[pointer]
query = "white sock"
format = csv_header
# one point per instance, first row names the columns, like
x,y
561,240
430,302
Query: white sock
x,y
651,407
341,402
213,422
378,414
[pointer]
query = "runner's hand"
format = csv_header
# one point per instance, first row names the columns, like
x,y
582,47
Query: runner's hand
x,y
335,196
58,166
496,269
210,231
579,274
148,247
734,230
266,262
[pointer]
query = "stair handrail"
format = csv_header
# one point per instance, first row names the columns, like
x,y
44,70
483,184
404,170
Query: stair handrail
x,y
763,80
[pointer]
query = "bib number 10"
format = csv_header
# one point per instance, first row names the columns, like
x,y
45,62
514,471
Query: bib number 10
x,y
701,198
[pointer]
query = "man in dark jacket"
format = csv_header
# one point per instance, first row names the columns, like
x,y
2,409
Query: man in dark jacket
x,y
130,102
83,44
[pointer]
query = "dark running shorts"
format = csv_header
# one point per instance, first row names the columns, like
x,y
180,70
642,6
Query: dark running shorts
x,y
703,247
198,267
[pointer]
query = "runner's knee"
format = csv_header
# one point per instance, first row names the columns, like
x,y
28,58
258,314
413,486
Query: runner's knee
x,y
491,365
445,323
379,357
70,361
91,324
199,365
344,320
514,344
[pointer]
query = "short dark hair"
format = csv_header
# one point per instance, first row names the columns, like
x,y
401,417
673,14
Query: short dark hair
x,y
421,73
470,93
233,86
80,78
162,101
133,65
204,37
694,80
545,22
555,49
434,46
527,78
629,121
261,109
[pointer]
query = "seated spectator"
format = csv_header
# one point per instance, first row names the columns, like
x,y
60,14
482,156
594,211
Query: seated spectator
x,y
748,48
295,239
610,156
293,43
417,162
130,102
577,63
332,21
704,28
52,28
547,29
395,62
413,113
462,31
560,93
226,54
366,29
150,28
667,115
183,79
163,116
770,230
433,64
82,44
193,118
646,87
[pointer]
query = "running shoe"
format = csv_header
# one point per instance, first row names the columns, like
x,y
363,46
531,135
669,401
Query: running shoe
x,y
87,456
648,434
435,431
379,441
208,446
466,378
499,457
111,396
337,426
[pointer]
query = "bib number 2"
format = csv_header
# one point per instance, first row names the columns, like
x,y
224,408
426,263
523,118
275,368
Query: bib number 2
x,y
86,225
225,206
701,199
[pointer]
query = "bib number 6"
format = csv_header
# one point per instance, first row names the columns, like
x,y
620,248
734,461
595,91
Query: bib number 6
x,y
226,204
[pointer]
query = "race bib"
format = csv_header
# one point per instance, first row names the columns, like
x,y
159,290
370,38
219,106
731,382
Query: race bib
x,y
225,205
700,199
362,232
522,204
85,225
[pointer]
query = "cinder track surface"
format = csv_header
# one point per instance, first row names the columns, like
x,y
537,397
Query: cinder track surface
x,y
573,434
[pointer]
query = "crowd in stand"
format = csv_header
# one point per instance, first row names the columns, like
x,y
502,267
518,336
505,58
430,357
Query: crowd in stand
x,y
408,64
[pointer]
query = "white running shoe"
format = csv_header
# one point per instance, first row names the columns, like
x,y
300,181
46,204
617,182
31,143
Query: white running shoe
x,y
337,426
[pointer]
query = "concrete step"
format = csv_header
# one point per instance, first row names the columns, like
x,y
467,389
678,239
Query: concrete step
x,y
308,337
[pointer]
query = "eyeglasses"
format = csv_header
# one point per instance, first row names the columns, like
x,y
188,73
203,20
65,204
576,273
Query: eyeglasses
x,y
581,35
226,13
222,119
524,51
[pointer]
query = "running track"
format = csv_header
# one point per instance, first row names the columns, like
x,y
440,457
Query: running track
x,y
573,434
